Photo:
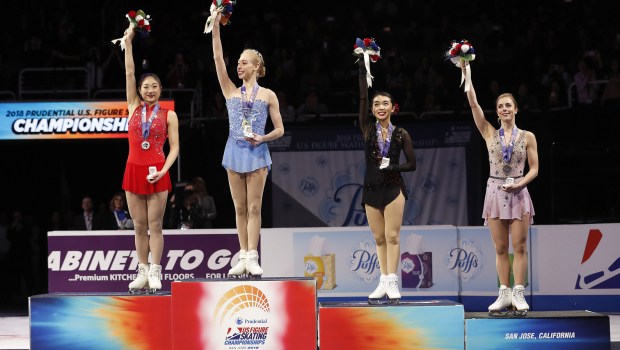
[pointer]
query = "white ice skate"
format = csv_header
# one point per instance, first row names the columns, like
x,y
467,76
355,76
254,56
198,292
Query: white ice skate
x,y
503,302
251,265
518,301
154,278
238,270
379,293
141,281
391,289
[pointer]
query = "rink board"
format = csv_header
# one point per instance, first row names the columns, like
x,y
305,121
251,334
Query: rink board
x,y
272,313
99,321
547,330
432,324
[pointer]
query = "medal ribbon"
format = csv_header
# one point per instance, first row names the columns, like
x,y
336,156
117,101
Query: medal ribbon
x,y
384,145
507,150
146,124
246,105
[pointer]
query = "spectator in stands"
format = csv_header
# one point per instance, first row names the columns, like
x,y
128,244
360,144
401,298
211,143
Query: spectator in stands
x,y
117,217
584,82
177,72
311,107
611,94
286,110
526,100
88,219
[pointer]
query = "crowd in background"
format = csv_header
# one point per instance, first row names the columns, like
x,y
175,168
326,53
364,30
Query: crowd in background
x,y
536,50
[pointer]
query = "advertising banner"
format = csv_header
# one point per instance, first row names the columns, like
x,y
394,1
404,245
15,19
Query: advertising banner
x,y
318,177
274,314
545,331
577,259
106,261
431,324
100,322
66,120
344,260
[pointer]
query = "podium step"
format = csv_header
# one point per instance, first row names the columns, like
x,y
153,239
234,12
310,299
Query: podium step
x,y
547,330
432,324
99,321
272,313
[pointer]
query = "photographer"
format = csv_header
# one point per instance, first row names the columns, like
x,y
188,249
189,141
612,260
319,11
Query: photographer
x,y
192,207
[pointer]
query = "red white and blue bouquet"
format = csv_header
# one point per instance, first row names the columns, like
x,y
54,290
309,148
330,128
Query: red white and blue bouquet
x,y
223,6
460,53
138,21
368,50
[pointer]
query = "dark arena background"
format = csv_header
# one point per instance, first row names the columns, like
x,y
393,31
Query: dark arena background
x,y
559,58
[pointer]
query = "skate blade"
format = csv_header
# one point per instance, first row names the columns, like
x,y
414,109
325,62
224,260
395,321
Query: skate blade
x,y
376,301
394,301
237,277
498,313
518,313
254,277
137,291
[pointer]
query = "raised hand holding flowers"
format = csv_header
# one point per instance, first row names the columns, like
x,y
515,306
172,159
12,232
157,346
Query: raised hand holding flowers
x,y
460,53
138,21
225,7
369,51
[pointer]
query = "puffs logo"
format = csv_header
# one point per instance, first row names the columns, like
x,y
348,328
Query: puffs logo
x,y
243,312
600,264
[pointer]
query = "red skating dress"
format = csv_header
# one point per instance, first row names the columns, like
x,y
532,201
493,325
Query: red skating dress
x,y
139,160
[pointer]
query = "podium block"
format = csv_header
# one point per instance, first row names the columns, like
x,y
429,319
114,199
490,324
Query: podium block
x,y
432,324
274,313
99,321
547,330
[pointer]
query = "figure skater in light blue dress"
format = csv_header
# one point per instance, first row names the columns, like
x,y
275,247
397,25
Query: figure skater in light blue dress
x,y
246,156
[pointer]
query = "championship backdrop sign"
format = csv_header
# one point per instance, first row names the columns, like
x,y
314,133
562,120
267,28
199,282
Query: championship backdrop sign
x,y
318,177
65,120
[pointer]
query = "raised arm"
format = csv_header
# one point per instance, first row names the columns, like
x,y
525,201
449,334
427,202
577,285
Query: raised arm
x,y
363,113
133,100
485,128
227,86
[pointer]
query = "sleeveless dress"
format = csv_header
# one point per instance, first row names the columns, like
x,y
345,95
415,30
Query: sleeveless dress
x,y
139,160
497,202
239,155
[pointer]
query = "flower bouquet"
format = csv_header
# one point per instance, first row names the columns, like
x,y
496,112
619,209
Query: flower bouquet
x,y
223,6
369,51
139,21
460,53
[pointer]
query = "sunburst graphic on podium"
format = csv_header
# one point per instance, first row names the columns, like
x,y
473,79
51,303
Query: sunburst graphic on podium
x,y
239,299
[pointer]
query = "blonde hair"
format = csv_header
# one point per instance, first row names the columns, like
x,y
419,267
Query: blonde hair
x,y
261,62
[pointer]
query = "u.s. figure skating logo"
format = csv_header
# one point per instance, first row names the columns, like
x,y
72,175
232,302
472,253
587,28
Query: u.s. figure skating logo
x,y
243,312
600,263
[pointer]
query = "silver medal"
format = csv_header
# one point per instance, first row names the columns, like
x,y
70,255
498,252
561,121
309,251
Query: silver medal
x,y
146,145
